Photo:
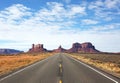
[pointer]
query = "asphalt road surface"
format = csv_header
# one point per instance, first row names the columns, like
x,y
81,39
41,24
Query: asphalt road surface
x,y
59,68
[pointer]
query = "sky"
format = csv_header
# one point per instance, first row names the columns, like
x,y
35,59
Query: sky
x,y
60,22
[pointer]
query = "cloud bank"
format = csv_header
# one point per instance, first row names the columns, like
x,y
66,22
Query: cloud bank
x,y
59,24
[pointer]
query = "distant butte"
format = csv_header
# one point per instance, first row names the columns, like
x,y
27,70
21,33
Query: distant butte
x,y
60,49
86,47
37,48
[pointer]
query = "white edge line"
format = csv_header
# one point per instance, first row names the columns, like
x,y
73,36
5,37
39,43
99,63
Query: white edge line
x,y
95,70
14,73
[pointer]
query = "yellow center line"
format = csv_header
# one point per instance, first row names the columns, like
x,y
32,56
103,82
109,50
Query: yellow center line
x,y
60,68
60,81
60,65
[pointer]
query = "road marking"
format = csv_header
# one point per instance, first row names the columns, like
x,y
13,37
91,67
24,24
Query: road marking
x,y
60,67
95,70
60,73
60,81
14,73
60,70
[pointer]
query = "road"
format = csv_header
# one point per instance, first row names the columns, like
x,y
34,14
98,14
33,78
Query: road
x,y
59,68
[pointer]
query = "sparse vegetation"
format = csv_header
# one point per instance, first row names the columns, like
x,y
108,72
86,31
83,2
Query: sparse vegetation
x,y
107,62
9,63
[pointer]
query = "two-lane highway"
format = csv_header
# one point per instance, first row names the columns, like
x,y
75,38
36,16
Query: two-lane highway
x,y
59,68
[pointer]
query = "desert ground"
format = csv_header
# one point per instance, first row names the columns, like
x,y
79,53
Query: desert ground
x,y
106,62
9,63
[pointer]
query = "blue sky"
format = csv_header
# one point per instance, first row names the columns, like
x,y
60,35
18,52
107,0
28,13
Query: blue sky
x,y
60,22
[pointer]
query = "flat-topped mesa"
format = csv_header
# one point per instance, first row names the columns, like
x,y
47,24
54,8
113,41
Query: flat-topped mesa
x,y
75,47
37,48
86,47
60,49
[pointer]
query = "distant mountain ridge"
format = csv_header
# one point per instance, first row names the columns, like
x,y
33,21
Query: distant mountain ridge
x,y
9,51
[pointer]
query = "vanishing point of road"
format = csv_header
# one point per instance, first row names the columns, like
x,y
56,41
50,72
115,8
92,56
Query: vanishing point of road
x,y
59,68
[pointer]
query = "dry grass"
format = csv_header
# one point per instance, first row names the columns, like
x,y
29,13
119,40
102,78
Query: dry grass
x,y
107,62
9,63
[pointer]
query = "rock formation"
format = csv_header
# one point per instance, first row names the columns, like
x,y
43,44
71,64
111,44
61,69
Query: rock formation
x,y
86,47
83,48
75,47
60,49
37,48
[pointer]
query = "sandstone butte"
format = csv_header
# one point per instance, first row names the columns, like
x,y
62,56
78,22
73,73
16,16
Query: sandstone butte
x,y
86,47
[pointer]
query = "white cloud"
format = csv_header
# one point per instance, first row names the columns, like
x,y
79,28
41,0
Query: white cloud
x,y
78,10
89,22
57,12
112,4
107,27
106,4
14,13
105,9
